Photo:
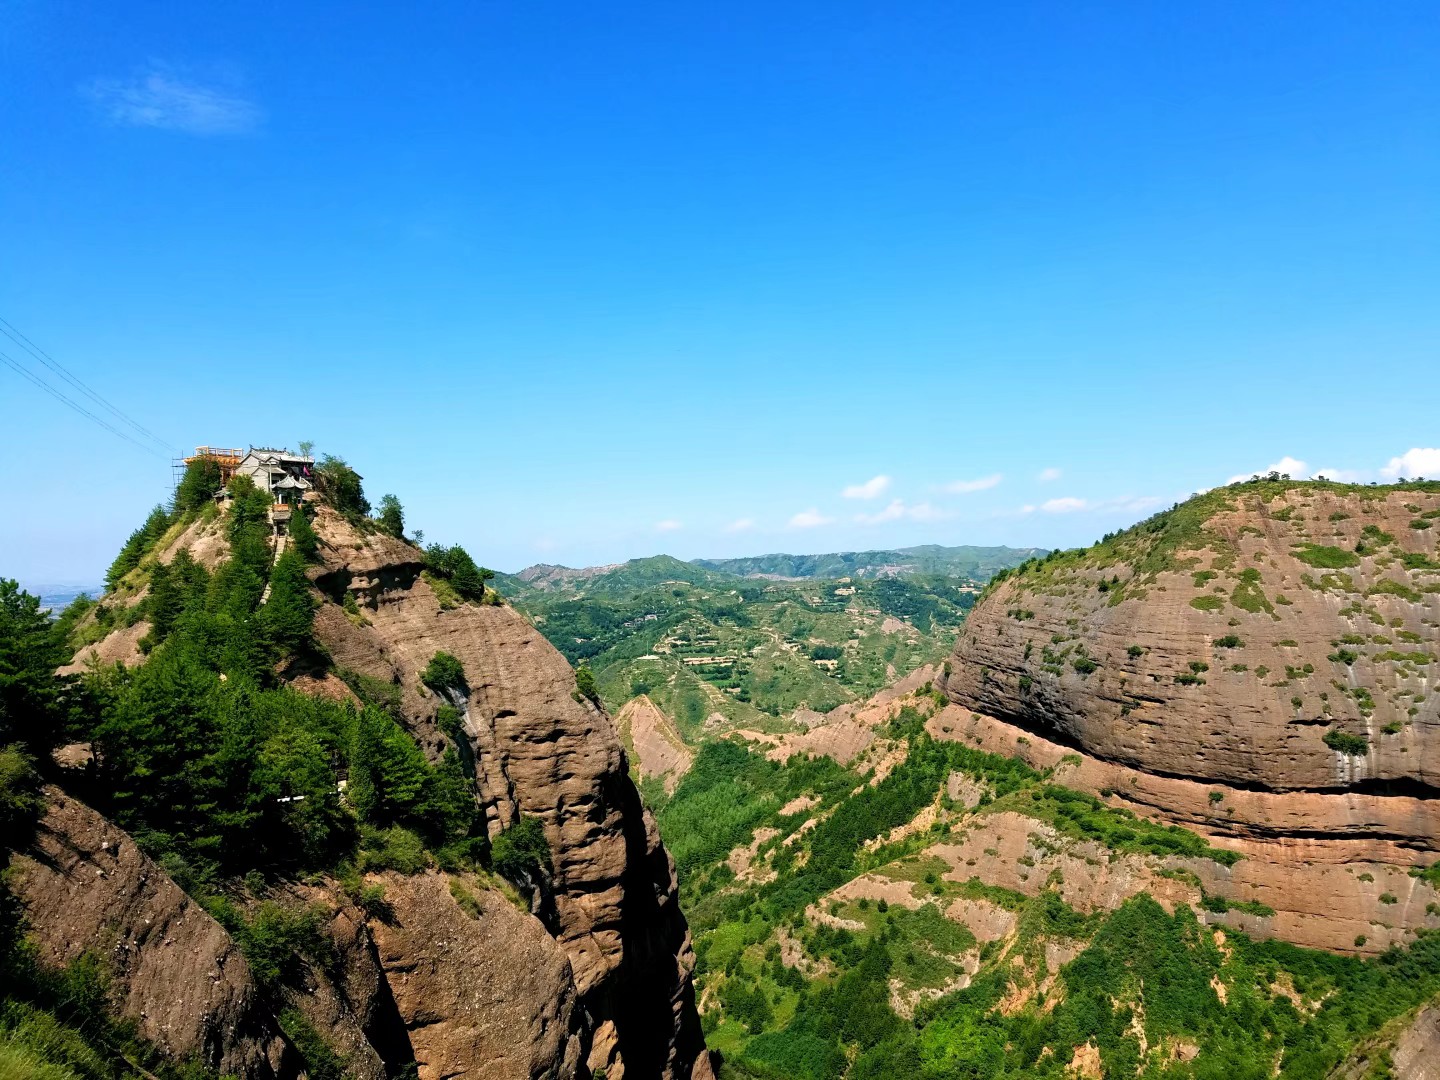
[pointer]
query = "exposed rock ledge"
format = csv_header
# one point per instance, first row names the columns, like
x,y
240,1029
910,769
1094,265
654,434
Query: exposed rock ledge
x,y
1308,855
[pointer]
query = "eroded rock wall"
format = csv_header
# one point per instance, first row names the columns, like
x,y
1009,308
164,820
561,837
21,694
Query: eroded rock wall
x,y
1283,650
86,887
539,751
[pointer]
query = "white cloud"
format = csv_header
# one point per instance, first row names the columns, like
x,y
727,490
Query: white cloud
x,y
1287,465
1417,461
966,487
1047,475
1066,505
809,519
897,509
162,99
740,525
1344,476
871,489
668,525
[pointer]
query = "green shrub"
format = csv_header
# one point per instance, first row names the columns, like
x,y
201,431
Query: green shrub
x,y
1207,603
585,688
392,517
199,486
444,672
340,487
1324,557
1345,743
302,534
521,853
455,566
140,543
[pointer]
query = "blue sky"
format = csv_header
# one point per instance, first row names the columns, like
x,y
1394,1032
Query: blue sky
x,y
587,282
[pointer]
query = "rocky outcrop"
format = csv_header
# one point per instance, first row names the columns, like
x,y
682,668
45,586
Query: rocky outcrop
x,y
481,989
599,976
1409,1049
1224,644
1254,665
1334,869
652,738
86,888
537,748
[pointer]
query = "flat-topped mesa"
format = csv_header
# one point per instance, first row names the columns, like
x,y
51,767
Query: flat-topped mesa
x,y
1273,635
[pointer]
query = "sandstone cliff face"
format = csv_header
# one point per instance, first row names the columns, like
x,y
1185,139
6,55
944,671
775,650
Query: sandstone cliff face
x,y
1230,656
652,738
85,886
478,988
1197,670
536,750
599,976
487,985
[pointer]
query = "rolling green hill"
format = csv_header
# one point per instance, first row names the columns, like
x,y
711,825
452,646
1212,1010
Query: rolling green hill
x,y
965,561
707,638
748,650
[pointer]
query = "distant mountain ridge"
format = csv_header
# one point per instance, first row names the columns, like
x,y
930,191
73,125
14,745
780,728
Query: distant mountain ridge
x,y
611,579
965,561
962,561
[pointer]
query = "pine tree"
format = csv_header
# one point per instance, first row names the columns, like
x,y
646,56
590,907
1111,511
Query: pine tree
x,y
392,516
302,535
290,611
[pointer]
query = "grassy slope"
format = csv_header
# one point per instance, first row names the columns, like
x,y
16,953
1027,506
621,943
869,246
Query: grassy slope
x,y
1137,969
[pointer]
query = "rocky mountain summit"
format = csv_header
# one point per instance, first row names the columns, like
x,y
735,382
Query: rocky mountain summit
x,y
444,970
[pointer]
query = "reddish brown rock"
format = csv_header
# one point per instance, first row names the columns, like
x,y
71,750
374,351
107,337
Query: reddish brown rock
x,y
86,887
1190,669
651,735
536,750
1367,632
483,992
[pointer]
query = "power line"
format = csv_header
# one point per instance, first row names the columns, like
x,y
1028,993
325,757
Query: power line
x,y
14,334
43,385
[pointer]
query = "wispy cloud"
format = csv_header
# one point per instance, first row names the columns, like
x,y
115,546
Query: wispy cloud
x,y
809,519
740,525
1048,475
966,487
163,98
897,509
1066,505
871,489
668,525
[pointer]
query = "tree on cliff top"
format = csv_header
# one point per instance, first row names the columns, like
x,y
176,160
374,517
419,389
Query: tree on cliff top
x,y
339,485
198,486
392,516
